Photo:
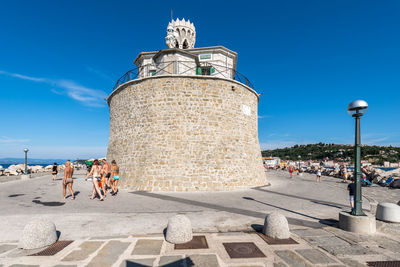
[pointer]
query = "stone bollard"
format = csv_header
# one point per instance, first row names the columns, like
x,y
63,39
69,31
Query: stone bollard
x,y
38,233
179,230
276,226
388,212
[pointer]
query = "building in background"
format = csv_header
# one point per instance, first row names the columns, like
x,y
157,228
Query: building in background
x,y
271,162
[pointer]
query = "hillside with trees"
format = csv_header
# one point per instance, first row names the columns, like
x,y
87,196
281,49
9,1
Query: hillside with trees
x,y
374,154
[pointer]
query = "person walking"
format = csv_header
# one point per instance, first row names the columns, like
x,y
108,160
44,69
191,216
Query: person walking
x,y
291,169
107,173
318,175
345,174
351,188
114,177
95,172
103,183
67,180
54,171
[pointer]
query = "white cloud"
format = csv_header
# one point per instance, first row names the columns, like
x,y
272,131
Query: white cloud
x,y
375,141
264,116
99,73
378,138
8,140
277,144
23,77
82,94
86,96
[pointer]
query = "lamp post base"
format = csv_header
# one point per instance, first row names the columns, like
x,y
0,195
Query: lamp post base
x,y
25,176
357,224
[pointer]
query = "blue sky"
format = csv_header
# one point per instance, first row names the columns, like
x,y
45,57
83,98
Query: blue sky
x,y
309,59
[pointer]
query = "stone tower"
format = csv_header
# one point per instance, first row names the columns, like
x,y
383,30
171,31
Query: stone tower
x,y
185,119
180,34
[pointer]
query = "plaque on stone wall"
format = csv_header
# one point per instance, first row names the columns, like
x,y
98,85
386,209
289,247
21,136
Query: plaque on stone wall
x,y
246,110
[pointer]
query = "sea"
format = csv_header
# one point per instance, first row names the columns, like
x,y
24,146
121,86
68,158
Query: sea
x,y
388,169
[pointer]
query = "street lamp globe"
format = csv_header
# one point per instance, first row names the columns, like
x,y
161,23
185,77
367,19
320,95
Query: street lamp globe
x,y
26,150
357,108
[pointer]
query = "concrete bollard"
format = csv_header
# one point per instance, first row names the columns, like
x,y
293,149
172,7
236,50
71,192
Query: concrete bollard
x,y
179,230
388,212
357,224
38,233
373,206
276,226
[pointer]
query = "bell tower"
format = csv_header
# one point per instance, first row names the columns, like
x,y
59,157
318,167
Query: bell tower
x,y
180,34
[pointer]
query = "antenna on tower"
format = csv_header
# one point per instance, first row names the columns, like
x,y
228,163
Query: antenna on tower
x,y
172,13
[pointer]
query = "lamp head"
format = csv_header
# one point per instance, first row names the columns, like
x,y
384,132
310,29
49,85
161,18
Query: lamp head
x,y
357,108
26,150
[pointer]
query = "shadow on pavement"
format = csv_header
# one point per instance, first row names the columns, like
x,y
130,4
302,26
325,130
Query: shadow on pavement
x,y
250,213
292,211
75,194
49,204
330,222
182,262
16,195
257,227
317,201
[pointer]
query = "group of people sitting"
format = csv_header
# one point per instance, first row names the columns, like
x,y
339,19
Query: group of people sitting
x,y
105,177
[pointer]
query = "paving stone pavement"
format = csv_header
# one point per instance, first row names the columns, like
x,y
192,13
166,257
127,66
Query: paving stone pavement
x,y
319,244
316,247
85,249
315,256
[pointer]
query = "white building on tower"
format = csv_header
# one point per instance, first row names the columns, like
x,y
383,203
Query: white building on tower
x,y
182,58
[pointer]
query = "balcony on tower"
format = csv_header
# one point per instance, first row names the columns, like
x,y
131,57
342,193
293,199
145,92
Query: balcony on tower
x,y
216,61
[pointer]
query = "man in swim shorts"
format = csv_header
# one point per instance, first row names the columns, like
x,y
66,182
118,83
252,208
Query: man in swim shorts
x,y
107,173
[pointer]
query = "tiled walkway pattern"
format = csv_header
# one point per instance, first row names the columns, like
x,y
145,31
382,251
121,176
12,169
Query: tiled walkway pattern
x,y
327,246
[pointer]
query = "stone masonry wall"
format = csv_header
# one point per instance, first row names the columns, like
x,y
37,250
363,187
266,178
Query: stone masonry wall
x,y
185,133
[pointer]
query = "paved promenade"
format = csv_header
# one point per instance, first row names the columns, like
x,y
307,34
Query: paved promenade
x,y
126,230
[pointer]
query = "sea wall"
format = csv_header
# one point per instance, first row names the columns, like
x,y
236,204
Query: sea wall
x,y
185,133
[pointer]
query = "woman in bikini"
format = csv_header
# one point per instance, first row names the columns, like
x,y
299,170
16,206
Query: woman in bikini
x,y
67,180
96,173
114,177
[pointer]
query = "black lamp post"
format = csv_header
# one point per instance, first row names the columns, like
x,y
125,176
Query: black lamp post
x,y
356,109
26,160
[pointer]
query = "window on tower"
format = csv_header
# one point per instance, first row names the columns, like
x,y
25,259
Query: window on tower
x,y
207,70
185,44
